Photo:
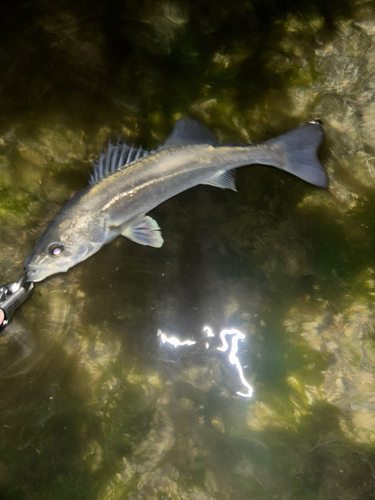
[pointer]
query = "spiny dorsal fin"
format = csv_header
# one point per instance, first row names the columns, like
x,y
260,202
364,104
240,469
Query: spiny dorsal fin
x,y
117,157
188,131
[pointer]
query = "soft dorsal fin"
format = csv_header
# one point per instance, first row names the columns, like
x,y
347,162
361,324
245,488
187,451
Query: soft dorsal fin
x,y
116,157
188,131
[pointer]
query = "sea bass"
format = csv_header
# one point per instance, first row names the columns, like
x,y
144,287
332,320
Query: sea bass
x,y
128,182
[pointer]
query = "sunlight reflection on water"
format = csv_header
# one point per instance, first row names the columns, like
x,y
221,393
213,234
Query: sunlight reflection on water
x,y
230,347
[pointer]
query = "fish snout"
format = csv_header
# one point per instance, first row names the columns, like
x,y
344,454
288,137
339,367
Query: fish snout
x,y
39,273
35,274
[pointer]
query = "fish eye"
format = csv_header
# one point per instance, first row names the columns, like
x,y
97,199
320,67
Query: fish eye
x,y
56,249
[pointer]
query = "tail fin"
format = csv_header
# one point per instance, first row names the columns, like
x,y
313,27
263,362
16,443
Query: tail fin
x,y
301,146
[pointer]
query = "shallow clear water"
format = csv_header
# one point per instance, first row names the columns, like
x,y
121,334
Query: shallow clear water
x,y
93,405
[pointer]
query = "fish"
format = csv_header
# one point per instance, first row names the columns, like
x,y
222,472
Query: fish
x,y
128,182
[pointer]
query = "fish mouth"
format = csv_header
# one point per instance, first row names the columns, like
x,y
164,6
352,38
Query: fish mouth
x,y
39,273
36,273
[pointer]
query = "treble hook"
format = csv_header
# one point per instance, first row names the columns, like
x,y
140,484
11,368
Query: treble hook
x,y
12,295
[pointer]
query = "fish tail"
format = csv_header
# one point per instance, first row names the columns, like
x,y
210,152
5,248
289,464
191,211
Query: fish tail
x,y
301,146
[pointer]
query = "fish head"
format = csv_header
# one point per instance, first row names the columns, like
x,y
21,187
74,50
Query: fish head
x,y
65,243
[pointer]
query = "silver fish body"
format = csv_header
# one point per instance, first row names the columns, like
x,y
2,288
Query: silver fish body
x,y
128,183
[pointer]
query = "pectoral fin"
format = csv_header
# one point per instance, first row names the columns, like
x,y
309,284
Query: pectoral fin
x,y
144,231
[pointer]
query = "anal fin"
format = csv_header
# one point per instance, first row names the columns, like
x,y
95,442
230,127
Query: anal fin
x,y
144,231
225,179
